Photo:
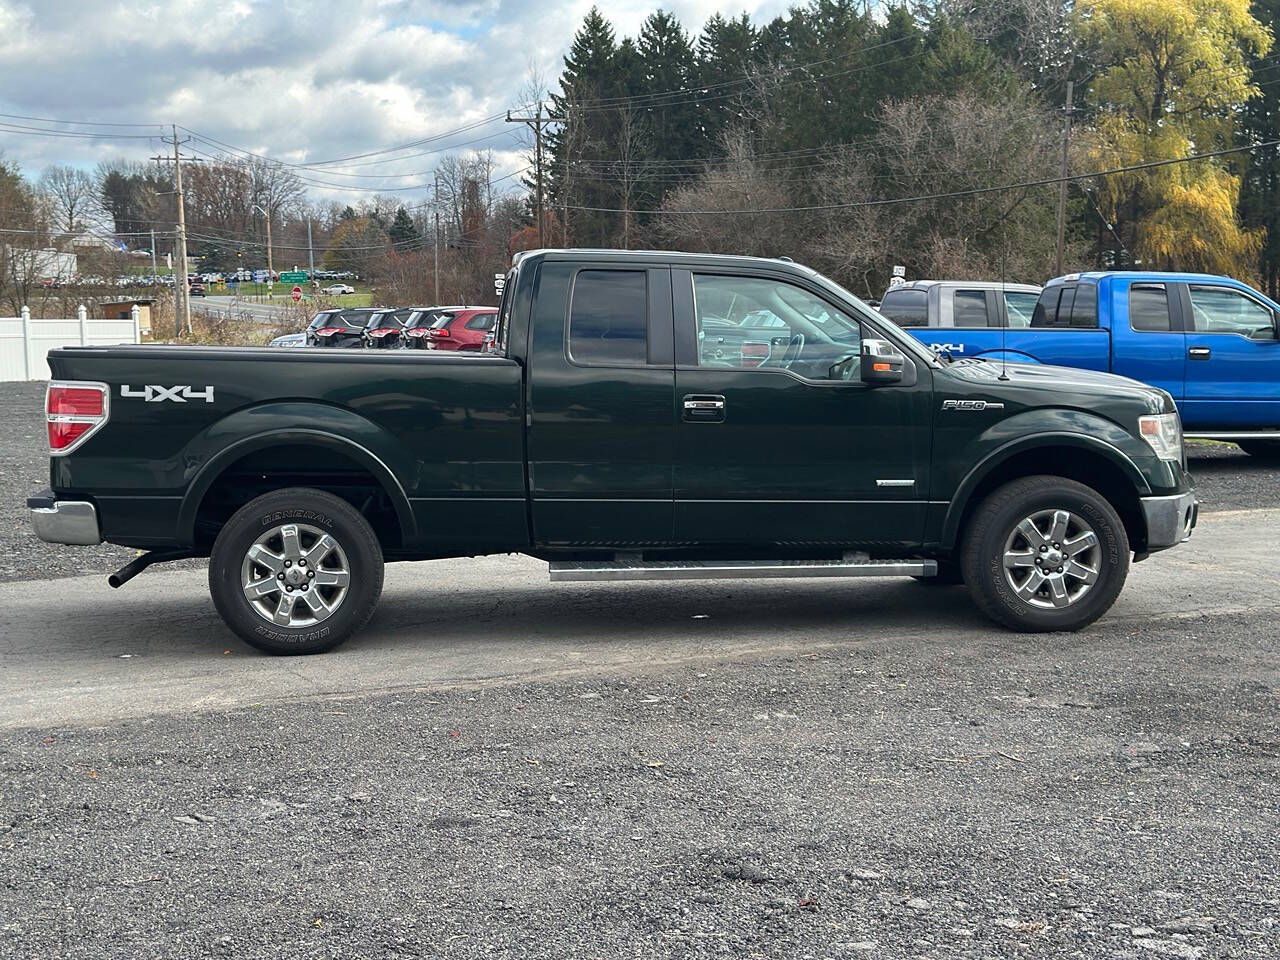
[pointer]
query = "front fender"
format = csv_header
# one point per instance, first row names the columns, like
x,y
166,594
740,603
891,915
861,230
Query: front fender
x,y
1046,429
249,430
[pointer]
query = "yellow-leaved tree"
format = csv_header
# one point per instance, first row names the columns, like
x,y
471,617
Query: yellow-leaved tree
x,y
1175,71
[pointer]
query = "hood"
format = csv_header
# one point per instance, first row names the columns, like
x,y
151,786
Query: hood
x,y
1060,384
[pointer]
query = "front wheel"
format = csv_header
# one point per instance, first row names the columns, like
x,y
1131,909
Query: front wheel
x,y
296,571
1045,553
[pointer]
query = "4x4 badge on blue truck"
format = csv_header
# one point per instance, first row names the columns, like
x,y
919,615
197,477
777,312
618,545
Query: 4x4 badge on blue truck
x,y
971,405
153,393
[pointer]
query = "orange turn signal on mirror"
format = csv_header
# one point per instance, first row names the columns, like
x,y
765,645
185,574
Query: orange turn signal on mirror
x,y
880,367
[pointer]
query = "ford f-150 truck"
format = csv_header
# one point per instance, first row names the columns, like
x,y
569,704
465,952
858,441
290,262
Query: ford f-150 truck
x,y
1211,342
639,416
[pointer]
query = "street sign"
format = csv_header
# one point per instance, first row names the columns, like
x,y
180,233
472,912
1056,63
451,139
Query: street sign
x,y
296,293
293,276
499,283
899,270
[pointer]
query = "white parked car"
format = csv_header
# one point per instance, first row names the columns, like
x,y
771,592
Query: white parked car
x,y
289,340
337,290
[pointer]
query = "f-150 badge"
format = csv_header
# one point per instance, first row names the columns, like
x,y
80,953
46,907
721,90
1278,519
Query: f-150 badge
x,y
153,393
971,405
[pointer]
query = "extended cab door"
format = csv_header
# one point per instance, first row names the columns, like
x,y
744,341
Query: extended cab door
x,y
1147,342
1233,358
770,449
601,417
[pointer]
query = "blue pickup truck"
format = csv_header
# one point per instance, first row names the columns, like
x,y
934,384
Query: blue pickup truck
x,y
1212,342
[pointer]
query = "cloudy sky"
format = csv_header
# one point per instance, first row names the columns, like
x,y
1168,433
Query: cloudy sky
x,y
302,81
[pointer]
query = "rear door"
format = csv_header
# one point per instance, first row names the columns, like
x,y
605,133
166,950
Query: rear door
x,y
601,419
1147,341
1233,358
771,449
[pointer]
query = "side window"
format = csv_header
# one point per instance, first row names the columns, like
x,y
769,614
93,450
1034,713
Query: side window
x,y
1019,307
1222,310
906,308
481,321
1084,312
969,308
609,317
1149,308
754,322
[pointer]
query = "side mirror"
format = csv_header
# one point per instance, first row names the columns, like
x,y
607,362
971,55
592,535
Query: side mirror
x,y
881,363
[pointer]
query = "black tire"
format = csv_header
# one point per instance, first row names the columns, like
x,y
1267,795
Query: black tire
x,y
949,575
312,512
992,526
1267,451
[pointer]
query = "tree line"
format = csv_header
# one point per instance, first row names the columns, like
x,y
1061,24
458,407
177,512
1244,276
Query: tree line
x,y
856,137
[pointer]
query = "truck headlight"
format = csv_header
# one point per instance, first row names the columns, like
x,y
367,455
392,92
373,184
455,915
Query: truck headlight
x,y
1164,432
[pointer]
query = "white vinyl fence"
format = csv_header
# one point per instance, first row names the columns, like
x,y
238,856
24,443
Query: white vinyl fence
x,y
25,343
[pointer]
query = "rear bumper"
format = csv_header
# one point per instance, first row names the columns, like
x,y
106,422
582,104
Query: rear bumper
x,y
1170,519
72,522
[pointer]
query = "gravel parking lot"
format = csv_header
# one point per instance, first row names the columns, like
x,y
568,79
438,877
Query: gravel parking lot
x,y
502,768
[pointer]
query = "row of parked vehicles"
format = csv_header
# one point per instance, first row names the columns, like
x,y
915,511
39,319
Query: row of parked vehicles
x,y
1212,342
460,328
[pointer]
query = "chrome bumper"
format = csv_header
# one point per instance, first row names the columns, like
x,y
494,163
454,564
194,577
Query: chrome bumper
x,y
1169,519
73,522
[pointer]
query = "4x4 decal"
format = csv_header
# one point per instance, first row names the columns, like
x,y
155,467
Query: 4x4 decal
x,y
154,393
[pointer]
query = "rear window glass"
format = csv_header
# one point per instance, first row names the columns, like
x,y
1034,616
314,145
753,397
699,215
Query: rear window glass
x,y
1084,312
1149,307
1019,306
969,309
609,317
482,321
906,308
1054,307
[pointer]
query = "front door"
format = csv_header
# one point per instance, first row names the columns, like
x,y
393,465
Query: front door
x,y
770,448
1233,359
601,408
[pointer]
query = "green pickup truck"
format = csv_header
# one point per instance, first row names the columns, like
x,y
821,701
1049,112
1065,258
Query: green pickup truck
x,y
638,416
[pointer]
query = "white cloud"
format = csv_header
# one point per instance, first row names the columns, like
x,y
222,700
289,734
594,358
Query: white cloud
x,y
299,80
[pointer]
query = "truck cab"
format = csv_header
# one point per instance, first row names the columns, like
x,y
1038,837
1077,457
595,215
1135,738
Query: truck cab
x,y
1212,342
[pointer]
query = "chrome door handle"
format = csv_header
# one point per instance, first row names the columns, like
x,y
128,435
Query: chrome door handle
x,y
1198,353
704,408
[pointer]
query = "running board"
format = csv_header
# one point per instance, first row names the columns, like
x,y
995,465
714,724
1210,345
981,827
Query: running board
x,y
852,566
1233,435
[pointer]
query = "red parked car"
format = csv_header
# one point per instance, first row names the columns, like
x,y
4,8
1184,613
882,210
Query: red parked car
x,y
450,328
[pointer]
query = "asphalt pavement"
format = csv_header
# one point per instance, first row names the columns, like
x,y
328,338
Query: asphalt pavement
x,y
503,767
235,306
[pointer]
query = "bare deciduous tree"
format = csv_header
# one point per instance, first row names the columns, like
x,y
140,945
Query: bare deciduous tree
x,y
71,198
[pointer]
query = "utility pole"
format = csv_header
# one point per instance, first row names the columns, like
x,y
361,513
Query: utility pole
x,y
436,243
1062,184
153,257
311,253
537,122
181,293
266,215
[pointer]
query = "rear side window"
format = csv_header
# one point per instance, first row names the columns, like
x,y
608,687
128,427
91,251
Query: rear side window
x,y
481,321
1149,307
969,308
906,308
609,317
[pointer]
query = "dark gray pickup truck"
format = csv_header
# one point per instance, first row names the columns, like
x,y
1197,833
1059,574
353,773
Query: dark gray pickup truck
x,y
641,416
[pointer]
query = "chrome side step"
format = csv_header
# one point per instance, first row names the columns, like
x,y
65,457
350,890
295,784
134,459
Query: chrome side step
x,y
1233,435
854,565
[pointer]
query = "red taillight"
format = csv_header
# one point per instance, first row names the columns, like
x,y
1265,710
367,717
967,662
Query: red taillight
x,y
74,411
416,332
328,331
382,331
440,333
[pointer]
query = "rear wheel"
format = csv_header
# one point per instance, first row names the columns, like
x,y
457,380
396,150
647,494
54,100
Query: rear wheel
x,y
1268,450
296,571
1045,553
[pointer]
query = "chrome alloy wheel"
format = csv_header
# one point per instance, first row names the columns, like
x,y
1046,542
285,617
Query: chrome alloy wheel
x,y
295,575
1052,559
